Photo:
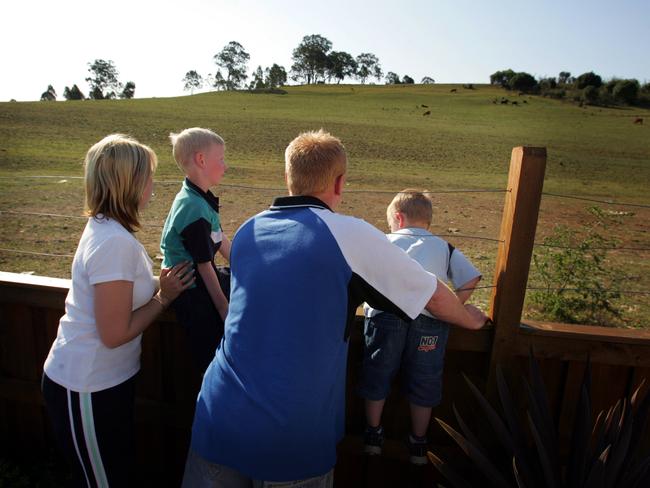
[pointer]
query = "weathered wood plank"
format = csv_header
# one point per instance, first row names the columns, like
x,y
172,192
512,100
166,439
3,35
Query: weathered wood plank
x,y
517,236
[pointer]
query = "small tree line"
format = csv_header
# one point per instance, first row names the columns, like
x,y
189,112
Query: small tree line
x,y
314,61
587,88
103,82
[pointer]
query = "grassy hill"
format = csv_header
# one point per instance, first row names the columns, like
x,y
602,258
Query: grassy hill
x,y
464,143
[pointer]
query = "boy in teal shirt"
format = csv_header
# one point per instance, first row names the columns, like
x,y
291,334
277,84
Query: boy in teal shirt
x,y
193,233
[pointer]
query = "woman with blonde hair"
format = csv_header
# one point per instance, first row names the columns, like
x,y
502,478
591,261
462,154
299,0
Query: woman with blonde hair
x,y
89,374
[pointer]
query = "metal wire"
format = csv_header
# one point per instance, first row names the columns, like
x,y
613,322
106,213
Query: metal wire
x,y
594,200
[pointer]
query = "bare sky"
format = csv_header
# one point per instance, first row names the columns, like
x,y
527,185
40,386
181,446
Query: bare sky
x,y
155,42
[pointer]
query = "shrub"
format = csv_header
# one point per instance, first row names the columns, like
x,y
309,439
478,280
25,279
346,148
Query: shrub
x,y
523,82
588,79
589,94
626,91
572,274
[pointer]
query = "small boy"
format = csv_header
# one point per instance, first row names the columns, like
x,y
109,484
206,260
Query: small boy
x,y
418,347
193,232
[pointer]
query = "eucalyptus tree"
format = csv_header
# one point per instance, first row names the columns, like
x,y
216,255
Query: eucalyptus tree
x,y
234,59
192,81
310,59
103,79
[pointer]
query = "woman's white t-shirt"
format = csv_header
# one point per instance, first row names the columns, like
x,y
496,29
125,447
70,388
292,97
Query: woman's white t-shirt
x,y
78,360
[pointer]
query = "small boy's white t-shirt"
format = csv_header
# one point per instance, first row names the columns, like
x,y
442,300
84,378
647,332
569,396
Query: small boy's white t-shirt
x,y
78,360
432,253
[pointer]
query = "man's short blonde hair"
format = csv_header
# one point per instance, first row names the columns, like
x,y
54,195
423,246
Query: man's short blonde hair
x,y
313,161
190,141
117,170
414,204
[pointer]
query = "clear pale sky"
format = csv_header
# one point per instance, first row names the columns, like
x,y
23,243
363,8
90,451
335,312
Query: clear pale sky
x,y
155,42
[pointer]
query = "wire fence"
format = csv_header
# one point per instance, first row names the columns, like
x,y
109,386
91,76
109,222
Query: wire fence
x,y
358,191
452,235
430,192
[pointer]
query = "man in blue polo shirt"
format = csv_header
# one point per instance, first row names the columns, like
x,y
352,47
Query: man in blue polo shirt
x,y
272,404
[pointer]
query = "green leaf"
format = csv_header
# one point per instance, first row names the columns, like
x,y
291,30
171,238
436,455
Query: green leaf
x,y
448,472
550,476
493,417
595,478
580,440
482,463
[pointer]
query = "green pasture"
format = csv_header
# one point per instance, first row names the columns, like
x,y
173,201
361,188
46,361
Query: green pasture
x,y
463,143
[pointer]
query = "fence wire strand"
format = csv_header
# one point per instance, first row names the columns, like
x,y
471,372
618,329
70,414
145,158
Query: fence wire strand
x,y
357,191
595,200
451,235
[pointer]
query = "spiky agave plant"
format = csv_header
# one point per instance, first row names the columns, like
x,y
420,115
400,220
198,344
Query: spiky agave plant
x,y
603,454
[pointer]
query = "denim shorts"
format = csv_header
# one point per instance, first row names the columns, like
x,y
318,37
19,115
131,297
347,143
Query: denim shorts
x,y
416,348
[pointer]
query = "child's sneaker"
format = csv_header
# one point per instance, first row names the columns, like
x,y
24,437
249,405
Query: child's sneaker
x,y
373,440
417,450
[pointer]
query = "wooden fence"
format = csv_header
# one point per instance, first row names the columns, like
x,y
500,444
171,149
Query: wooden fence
x,y
31,306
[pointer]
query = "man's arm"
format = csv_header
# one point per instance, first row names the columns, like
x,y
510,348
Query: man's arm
x,y
465,291
445,305
209,277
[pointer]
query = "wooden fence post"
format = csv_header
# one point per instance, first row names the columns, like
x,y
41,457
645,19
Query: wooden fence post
x,y
518,225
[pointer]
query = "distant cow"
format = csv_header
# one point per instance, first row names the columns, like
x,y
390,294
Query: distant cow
x,y
453,90
428,112
514,102
638,120
504,101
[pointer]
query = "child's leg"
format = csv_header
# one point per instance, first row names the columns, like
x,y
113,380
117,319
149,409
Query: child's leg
x,y
196,313
420,418
385,336
422,369
374,409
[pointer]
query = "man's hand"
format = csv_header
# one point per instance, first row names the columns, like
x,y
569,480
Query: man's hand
x,y
477,315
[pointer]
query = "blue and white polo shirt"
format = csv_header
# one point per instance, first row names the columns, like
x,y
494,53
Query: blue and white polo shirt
x,y
272,403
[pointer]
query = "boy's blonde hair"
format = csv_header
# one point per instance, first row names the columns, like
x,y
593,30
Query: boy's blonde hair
x,y
190,141
414,204
117,170
313,160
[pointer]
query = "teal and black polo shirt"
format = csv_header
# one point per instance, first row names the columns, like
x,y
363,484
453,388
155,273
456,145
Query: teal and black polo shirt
x,y
192,230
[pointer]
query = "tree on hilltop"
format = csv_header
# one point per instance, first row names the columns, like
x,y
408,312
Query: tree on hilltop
x,y
340,65
276,76
129,90
73,93
257,83
310,58
588,79
234,59
407,80
103,80
522,81
626,91
368,65
564,77
48,95
427,80
219,82
392,78
502,78
192,81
